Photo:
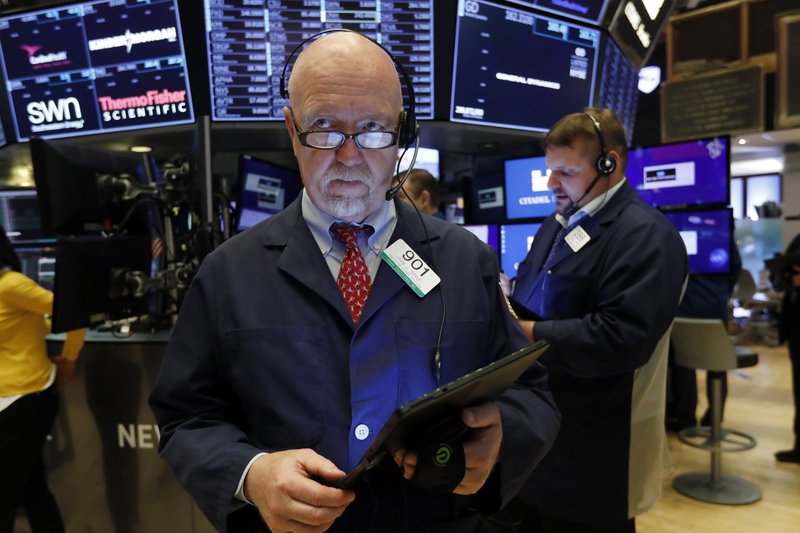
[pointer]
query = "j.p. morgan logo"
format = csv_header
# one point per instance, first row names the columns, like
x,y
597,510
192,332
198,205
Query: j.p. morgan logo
x,y
128,39
149,104
50,59
53,115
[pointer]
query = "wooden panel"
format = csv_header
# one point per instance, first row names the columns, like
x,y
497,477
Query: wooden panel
x,y
787,110
726,102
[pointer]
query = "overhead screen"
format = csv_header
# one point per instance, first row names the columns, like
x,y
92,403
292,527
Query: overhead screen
x,y
519,69
95,67
584,10
682,174
248,43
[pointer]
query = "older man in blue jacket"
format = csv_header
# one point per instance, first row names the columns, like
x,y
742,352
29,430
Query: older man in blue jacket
x,y
602,283
282,369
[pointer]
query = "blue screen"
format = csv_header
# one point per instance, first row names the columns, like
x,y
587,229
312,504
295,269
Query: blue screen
x,y
682,174
527,195
95,67
515,241
264,189
488,233
707,236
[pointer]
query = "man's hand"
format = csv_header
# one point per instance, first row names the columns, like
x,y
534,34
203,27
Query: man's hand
x,y
527,327
280,485
481,450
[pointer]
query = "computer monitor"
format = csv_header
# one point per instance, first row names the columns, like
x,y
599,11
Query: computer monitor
x,y
19,215
427,159
693,173
90,282
38,263
79,189
515,242
248,44
95,67
527,194
708,236
488,233
519,69
264,189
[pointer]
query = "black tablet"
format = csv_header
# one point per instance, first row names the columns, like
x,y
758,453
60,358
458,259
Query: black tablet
x,y
482,385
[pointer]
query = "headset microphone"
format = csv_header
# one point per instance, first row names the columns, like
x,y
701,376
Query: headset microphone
x,y
576,204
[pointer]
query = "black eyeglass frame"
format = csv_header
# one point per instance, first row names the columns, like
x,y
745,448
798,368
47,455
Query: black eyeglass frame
x,y
303,136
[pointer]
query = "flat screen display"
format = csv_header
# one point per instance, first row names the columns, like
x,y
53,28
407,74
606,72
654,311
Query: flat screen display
x,y
488,233
95,67
527,195
689,173
19,215
519,69
515,242
38,263
618,86
427,159
264,189
249,42
708,238
636,26
583,10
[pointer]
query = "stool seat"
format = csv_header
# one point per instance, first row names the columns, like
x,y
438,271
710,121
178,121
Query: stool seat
x,y
745,357
704,344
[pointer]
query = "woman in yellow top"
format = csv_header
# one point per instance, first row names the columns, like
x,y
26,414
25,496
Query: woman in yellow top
x,y
28,399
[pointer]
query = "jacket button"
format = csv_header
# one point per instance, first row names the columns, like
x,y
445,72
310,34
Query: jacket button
x,y
362,431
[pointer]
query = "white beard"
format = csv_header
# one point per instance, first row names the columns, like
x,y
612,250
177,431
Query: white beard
x,y
347,206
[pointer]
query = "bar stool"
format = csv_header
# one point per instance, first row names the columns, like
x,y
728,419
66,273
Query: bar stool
x,y
703,344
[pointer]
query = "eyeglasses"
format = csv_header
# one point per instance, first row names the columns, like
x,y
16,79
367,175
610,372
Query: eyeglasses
x,y
331,140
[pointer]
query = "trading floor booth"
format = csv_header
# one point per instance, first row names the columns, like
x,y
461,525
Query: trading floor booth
x,y
102,462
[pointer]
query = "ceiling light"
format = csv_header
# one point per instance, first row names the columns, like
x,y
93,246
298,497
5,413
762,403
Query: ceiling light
x,y
141,149
742,141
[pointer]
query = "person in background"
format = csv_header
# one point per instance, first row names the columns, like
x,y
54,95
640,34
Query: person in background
x,y
28,396
707,296
296,342
422,190
789,331
601,282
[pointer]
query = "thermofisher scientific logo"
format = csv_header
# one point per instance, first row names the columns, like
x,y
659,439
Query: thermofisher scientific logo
x,y
149,104
54,115
51,59
128,39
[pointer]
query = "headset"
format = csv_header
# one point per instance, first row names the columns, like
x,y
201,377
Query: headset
x,y
408,129
605,164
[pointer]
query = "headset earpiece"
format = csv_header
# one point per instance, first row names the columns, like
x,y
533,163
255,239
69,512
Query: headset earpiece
x,y
605,164
408,128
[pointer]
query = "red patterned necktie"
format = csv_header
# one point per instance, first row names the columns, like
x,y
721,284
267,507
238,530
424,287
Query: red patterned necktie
x,y
353,281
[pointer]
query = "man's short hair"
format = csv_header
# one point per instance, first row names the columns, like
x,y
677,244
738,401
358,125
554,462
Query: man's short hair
x,y
421,180
567,129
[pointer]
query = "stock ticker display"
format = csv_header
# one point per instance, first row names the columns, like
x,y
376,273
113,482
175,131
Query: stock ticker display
x,y
517,69
95,67
249,41
585,10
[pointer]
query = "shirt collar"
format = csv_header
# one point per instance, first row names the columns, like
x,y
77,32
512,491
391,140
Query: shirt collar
x,y
382,220
591,207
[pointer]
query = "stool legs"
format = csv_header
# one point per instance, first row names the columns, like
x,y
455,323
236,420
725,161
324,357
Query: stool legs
x,y
714,486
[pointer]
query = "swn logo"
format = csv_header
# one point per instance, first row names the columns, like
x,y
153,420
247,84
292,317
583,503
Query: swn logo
x,y
60,110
